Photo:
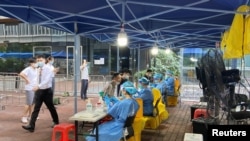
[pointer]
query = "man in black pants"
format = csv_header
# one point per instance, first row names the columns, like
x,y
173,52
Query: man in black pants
x,y
43,93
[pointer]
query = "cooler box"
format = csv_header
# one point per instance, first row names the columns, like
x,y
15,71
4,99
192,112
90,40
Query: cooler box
x,y
200,105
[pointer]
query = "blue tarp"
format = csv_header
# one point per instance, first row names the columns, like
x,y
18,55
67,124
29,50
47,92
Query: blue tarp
x,y
60,54
179,22
193,50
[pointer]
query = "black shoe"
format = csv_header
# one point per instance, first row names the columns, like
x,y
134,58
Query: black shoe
x,y
29,128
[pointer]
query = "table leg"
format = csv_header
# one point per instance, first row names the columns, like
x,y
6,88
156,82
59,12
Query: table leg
x,y
97,131
76,130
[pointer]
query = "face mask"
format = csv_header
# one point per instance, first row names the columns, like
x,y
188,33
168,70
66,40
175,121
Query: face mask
x,y
126,77
40,64
51,62
35,65
123,96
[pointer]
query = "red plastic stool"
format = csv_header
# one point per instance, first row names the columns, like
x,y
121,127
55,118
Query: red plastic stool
x,y
200,113
64,129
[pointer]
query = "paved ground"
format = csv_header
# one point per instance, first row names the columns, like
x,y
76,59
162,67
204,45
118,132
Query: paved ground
x,y
10,121
11,130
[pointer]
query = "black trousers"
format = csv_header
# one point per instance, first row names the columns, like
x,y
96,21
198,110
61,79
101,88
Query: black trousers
x,y
84,88
46,96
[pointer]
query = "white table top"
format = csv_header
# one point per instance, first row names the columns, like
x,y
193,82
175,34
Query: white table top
x,y
193,137
88,116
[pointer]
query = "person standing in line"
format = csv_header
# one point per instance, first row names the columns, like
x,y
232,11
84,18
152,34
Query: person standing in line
x,y
125,74
50,61
43,93
149,75
109,89
30,75
84,79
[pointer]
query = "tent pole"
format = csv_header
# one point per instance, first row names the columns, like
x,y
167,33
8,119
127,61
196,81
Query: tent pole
x,y
77,60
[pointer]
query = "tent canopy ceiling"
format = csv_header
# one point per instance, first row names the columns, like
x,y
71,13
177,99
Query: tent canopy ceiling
x,y
169,23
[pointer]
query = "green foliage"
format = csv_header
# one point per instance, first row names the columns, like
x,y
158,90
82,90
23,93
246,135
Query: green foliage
x,y
2,48
11,65
20,47
163,62
139,74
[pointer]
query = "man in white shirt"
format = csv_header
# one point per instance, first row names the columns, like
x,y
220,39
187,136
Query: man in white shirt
x,y
43,93
50,62
84,79
30,75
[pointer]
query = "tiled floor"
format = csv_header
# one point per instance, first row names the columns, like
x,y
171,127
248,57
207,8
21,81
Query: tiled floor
x,y
173,129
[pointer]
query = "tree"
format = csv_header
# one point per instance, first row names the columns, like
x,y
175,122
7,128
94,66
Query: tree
x,y
164,61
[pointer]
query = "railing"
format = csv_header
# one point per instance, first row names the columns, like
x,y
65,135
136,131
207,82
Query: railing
x,y
12,87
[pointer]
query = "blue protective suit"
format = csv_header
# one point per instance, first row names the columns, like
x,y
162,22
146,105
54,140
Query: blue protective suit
x,y
170,85
110,101
113,130
147,97
162,86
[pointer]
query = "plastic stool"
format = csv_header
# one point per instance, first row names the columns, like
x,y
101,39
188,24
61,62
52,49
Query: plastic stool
x,y
200,113
64,129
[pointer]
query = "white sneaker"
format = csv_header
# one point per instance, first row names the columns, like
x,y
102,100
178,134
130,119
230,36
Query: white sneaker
x,y
24,120
28,118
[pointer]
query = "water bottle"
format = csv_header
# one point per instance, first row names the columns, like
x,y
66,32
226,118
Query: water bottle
x,y
89,106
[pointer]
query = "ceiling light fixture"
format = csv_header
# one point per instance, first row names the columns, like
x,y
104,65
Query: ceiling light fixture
x,y
154,49
168,50
193,59
122,39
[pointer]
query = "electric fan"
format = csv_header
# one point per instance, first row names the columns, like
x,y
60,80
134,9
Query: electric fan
x,y
217,82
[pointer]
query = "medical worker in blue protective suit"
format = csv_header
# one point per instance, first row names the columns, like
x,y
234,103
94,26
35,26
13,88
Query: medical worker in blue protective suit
x,y
161,85
169,82
113,130
146,95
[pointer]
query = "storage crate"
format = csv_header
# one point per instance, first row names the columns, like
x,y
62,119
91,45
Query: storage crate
x,y
172,100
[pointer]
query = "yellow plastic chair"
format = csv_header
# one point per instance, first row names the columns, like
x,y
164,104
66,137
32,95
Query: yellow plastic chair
x,y
152,122
177,91
163,113
139,122
177,84
160,112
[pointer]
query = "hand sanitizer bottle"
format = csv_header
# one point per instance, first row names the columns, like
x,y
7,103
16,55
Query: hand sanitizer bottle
x,y
89,106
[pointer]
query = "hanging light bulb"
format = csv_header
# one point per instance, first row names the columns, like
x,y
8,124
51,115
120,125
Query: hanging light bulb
x,y
193,59
122,39
154,50
168,50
